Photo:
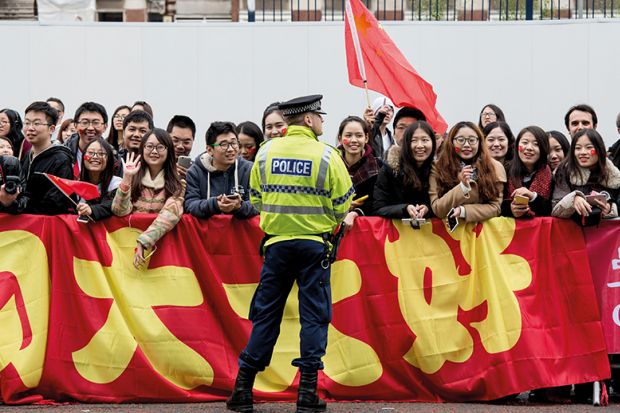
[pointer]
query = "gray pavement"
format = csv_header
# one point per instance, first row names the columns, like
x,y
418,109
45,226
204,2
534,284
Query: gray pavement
x,y
332,408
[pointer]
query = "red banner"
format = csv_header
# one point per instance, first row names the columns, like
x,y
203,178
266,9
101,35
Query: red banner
x,y
418,315
604,251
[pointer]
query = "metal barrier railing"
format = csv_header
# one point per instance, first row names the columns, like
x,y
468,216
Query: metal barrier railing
x,y
437,10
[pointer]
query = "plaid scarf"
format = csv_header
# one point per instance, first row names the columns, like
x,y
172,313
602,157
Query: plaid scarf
x,y
541,183
364,169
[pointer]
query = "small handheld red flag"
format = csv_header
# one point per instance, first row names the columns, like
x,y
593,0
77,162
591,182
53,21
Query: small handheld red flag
x,y
373,60
85,190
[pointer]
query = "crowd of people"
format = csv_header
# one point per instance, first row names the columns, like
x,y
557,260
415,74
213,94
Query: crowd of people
x,y
399,166
477,170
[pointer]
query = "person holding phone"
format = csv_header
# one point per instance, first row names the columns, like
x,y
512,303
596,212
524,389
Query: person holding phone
x,y
151,185
363,167
466,183
530,181
218,181
402,187
98,170
586,183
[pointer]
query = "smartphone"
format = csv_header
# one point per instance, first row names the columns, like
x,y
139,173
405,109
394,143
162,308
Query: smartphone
x,y
453,222
415,223
592,198
361,199
184,161
521,200
82,219
234,196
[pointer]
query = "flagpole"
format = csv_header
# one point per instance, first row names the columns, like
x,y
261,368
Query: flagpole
x,y
64,193
358,49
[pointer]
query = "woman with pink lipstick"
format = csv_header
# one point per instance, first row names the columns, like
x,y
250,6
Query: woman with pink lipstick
x,y
402,186
99,170
586,183
530,182
363,167
501,142
151,186
466,182
558,149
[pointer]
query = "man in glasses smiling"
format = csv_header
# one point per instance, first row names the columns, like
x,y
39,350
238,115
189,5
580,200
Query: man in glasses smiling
x,y
91,120
218,181
38,195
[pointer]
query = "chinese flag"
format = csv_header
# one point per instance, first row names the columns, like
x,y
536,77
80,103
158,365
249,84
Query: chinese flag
x,y
85,190
373,57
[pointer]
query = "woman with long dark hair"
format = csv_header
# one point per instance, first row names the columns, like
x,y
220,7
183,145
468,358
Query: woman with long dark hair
x,y
151,186
402,188
363,167
11,126
586,182
250,138
466,182
490,113
98,170
530,181
115,136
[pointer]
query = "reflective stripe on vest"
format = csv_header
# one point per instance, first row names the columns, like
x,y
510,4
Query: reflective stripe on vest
x,y
299,210
320,181
295,189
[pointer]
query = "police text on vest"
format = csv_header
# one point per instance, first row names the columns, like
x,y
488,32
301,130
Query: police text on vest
x,y
297,167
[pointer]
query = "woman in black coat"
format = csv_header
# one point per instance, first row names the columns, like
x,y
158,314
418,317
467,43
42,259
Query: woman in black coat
x,y
402,187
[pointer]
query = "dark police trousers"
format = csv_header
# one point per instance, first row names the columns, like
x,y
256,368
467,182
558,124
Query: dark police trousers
x,y
285,262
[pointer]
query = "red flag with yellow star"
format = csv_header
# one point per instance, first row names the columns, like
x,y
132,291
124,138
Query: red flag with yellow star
x,y
372,57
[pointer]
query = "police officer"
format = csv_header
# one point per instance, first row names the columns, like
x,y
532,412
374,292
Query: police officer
x,y
303,191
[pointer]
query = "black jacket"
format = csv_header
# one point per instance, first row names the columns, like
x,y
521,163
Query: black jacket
x,y
73,142
39,195
376,139
391,197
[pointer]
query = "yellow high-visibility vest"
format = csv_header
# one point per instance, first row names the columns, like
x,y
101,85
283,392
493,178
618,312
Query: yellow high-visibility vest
x,y
300,185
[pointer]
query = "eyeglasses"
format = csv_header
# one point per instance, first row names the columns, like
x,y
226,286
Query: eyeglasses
x,y
226,145
471,140
119,117
97,154
36,124
4,122
85,123
158,148
488,115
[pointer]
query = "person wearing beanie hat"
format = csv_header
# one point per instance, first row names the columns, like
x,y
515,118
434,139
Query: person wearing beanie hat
x,y
378,117
403,118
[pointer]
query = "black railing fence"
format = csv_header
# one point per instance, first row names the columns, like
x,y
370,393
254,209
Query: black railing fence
x,y
437,10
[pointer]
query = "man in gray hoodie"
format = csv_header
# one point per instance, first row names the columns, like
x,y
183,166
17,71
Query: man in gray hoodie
x,y
218,182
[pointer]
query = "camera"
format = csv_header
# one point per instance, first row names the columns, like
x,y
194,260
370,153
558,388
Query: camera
x,y
10,170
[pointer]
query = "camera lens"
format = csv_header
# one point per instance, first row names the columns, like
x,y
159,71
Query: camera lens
x,y
10,187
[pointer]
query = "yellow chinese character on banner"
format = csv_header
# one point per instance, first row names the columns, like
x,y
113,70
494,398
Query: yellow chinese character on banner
x,y
432,315
24,304
360,367
132,322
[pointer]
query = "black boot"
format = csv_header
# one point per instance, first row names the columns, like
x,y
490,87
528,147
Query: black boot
x,y
241,398
308,400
